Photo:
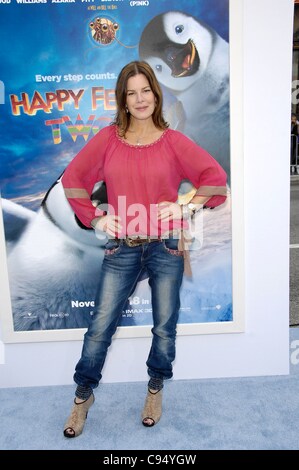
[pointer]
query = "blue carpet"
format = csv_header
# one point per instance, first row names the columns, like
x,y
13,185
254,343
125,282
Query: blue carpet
x,y
259,413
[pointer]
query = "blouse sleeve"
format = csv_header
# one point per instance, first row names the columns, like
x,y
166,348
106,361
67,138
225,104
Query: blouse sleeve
x,y
82,173
199,167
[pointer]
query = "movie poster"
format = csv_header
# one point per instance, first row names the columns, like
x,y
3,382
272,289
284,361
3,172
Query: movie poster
x,y
59,63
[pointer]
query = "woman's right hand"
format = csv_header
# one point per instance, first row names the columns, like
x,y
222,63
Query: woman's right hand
x,y
111,224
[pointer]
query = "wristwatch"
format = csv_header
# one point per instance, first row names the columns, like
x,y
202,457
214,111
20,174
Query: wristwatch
x,y
193,208
188,210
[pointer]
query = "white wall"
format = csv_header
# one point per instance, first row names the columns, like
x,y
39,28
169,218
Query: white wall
x,y
263,349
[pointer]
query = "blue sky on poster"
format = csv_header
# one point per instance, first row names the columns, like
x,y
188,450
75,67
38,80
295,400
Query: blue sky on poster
x,y
54,39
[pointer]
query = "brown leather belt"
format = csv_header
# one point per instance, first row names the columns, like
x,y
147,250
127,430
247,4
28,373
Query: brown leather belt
x,y
137,241
141,240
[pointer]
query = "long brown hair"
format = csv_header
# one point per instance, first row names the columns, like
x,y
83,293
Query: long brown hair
x,y
122,117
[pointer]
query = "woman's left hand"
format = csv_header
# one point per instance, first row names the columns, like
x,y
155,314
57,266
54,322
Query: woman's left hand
x,y
168,211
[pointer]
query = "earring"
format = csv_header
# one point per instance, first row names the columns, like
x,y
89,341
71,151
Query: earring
x,y
126,107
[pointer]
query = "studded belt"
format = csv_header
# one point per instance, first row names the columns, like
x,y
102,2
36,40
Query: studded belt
x,y
137,241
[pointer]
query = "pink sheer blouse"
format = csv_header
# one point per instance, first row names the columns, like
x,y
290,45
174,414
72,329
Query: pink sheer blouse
x,y
138,177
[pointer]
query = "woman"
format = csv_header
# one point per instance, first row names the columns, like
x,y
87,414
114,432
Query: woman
x,y
142,162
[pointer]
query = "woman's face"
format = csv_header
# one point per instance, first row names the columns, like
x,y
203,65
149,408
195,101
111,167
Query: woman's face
x,y
140,98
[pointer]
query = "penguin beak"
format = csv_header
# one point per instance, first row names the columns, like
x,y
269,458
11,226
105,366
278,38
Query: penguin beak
x,y
183,59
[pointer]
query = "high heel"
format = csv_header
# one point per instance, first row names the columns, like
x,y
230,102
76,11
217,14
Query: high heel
x,y
152,410
75,423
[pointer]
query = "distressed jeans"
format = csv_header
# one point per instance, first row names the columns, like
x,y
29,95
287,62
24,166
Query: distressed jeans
x,y
122,266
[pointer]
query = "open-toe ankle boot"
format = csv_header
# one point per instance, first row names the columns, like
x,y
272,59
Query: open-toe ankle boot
x,y
75,423
152,410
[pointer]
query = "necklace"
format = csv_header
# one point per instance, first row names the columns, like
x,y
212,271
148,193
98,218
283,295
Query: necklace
x,y
140,138
144,138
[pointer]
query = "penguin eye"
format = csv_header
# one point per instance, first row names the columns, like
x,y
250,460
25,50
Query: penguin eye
x,y
179,29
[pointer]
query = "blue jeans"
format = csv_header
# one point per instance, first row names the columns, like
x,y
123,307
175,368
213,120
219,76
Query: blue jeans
x,y
122,266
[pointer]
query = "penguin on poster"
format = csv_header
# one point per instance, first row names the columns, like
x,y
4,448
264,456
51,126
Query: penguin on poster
x,y
191,61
